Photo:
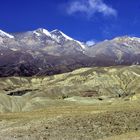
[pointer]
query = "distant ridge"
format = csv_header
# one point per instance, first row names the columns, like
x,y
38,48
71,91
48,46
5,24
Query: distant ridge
x,y
43,52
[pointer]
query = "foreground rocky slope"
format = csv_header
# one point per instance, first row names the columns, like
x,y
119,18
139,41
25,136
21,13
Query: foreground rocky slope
x,y
119,120
82,86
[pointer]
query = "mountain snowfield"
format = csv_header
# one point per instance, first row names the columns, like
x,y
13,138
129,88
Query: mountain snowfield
x,y
43,52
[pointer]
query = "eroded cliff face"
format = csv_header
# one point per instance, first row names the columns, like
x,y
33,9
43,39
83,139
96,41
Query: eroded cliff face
x,y
86,85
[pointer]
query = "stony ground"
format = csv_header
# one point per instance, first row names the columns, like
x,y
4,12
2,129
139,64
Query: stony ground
x,y
74,123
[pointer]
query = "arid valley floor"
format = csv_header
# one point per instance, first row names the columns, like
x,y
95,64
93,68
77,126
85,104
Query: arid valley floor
x,y
86,104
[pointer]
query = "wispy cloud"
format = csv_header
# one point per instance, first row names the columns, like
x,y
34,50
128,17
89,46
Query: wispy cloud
x,y
90,8
91,42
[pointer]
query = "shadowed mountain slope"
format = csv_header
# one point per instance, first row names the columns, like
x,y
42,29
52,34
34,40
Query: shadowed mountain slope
x,y
41,52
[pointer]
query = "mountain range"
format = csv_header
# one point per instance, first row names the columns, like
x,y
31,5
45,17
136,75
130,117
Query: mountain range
x,y
43,52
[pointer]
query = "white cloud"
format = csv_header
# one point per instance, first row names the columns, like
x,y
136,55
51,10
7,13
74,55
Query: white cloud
x,y
90,7
90,42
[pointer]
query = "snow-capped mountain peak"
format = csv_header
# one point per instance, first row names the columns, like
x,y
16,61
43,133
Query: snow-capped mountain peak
x,y
135,39
59,36
46,32
67,37
131,42
41,31
127,38
56,34
4,34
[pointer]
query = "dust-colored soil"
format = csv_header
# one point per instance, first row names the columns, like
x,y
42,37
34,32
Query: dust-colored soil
x,y
110,122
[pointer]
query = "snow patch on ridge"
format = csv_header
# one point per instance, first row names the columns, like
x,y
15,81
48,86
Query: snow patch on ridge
x,y
4,34
127,38
61,33
46,32
135,39
81,44
66,37
35,32
41,31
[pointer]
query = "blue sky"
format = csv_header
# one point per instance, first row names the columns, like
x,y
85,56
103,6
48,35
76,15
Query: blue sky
x,y
81,19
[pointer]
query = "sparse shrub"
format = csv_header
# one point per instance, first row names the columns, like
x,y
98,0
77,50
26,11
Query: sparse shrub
x,y
64,96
